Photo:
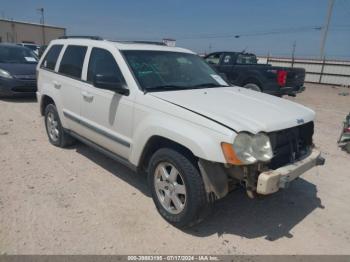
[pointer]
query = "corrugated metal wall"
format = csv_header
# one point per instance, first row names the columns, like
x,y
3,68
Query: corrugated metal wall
x,y
317,71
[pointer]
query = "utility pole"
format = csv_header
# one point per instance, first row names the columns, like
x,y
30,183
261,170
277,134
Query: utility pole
x,y
325,28
42,21
293,52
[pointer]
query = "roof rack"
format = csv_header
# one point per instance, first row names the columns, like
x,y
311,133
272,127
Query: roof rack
x,y
81,36
139,42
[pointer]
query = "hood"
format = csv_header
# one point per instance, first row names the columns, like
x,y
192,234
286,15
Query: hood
x,y
19,69
240,109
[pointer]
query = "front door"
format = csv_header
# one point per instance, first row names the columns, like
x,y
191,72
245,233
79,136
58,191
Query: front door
x,y
106,115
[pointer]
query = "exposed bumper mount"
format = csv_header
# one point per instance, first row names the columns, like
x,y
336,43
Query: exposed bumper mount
x,y
271,181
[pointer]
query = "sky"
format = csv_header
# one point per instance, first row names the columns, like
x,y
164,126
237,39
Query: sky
x,y
202,25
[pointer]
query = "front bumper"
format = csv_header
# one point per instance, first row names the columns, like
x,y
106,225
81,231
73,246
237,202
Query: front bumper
x,y
271,181
288,90
17,87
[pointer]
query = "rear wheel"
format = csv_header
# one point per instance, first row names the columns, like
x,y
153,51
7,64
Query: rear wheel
x,y
56,133
253,87
177,188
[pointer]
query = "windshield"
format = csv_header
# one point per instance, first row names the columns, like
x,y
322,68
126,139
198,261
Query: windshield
x,y
17,55
161,70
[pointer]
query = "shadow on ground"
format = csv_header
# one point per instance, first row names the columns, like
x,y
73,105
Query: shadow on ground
x,y
271,217
24,99
120,171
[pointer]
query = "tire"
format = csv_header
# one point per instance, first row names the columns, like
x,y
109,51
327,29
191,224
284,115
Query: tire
x,y
194,204
253,87
55,132
347,147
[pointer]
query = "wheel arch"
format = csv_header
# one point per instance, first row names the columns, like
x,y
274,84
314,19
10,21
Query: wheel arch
x,y
156,142
251,80
45,101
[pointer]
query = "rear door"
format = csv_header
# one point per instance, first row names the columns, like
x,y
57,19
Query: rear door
x,y
47,73
107,115
70,84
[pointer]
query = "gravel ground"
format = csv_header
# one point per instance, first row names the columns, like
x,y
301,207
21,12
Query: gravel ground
x,y
77,201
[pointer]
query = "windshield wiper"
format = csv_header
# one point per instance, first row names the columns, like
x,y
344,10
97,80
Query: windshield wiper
x,y
206,85
178,87
166,87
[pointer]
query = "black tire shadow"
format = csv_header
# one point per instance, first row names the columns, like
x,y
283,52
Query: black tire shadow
x,y
272,217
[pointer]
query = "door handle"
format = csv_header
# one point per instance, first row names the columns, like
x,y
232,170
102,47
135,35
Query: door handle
x,y
56,84
89,97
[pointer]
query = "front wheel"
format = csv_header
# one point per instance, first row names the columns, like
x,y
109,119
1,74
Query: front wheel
x,y
177,188
253,87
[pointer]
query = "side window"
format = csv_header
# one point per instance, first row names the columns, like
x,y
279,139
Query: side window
x,y
227,60
102,62
50,59
213,59
72,61
246,59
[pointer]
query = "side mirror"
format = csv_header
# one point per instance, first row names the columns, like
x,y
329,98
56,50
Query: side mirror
x,y
112,83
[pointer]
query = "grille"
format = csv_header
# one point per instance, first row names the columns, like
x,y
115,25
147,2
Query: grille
x,y
289,145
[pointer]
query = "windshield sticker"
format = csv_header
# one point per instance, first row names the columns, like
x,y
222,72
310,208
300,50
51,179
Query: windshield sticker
x,y
218,79
30,59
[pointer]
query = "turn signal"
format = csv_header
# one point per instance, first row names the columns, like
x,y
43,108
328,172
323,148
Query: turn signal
x,y
230,154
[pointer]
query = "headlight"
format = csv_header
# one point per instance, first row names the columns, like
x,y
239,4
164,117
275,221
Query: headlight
x,y
261,147
243,147
248,149
5,74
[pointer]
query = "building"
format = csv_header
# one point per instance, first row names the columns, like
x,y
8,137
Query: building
x,y
12,31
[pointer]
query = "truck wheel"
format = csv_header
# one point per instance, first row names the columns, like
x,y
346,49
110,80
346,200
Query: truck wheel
x,y
56,133
253,87
177,188
347,147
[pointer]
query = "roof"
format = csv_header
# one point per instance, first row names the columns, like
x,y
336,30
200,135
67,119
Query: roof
x,y
121,45
30,23
11,45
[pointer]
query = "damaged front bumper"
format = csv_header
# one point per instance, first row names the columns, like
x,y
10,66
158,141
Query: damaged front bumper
x,y
272,180
216,176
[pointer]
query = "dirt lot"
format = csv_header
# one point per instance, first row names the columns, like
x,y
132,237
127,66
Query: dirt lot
x,y
77,201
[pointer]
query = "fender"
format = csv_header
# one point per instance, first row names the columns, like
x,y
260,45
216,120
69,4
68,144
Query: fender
x,y
195,138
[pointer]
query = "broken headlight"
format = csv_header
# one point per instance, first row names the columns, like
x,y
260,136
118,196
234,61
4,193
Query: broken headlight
x,y
249,149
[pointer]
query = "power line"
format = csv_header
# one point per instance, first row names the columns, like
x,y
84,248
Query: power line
x,y
261,33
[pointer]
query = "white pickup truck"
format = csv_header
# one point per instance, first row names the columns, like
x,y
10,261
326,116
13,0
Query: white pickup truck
x,y
164,112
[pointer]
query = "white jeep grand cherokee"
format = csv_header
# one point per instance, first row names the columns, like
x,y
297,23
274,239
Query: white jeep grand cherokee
x,y
165,112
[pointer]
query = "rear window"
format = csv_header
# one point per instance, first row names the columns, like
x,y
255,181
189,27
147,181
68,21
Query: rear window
x,y
50,59
72,61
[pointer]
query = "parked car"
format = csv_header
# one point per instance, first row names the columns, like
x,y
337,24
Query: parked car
x,y
242,69
166,113
17,70
41,50
34,47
